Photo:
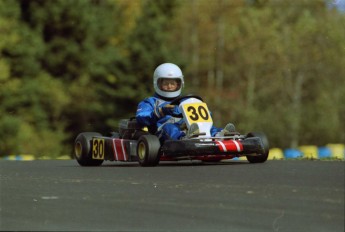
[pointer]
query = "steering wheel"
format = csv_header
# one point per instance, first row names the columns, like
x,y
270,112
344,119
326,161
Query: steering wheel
x,y
179,99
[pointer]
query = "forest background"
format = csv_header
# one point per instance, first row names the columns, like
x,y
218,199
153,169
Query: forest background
x,y
66,67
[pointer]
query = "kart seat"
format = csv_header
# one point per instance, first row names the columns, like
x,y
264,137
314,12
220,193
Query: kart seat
x,y
130,129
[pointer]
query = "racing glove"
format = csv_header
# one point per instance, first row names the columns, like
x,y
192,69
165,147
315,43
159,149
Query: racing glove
x,y
172,110
167,109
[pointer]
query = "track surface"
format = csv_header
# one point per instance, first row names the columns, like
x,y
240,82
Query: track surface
x,y
184,196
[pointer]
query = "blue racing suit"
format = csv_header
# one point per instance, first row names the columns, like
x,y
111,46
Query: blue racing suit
x,y
162,121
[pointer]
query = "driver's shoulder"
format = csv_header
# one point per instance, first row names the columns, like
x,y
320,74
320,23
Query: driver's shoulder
x,y
151,100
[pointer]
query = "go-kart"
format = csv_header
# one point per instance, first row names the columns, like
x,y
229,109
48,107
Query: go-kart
x,y
133,143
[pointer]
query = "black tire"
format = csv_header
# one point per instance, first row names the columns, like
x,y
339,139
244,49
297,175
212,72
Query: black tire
x,y
260,158
82,149
148,150
137,134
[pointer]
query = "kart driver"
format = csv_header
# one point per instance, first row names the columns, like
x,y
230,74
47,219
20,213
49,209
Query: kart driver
x,y
162,118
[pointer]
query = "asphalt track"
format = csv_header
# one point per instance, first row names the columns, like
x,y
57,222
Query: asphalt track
x,y
59,195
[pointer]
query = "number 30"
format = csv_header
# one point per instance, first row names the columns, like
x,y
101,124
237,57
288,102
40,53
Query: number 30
x,y
98,148
199,112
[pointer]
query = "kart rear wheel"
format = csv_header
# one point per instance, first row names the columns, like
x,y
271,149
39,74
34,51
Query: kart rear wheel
x,y
148,150
82,149
260,158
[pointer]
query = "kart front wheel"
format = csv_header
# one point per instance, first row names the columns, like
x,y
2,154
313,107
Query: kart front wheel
x,y
148,150
261,157
82,149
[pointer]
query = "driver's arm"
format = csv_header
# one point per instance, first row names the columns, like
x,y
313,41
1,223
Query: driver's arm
x,y
145,114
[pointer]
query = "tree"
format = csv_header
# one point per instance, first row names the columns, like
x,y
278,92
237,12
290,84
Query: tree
x,y
148,45
57,46
72,66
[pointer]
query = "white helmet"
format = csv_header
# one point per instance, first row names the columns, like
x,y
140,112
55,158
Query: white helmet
x,y
168,71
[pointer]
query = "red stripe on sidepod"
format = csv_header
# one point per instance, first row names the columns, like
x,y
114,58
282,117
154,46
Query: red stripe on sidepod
x,y
230,145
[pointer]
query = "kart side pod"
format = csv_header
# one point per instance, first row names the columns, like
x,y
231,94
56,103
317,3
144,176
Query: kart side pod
x,y
250,145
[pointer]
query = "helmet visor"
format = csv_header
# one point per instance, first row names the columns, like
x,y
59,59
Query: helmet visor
x,y
169,84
